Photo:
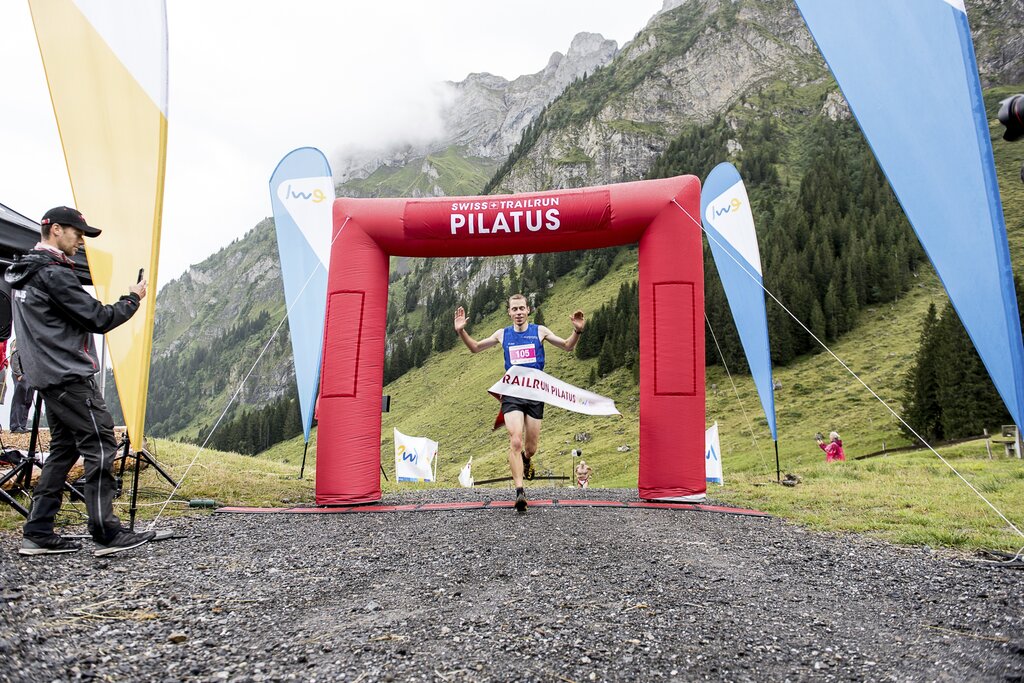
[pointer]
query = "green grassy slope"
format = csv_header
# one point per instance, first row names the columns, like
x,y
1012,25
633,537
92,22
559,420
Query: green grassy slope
x,y
909,497
816,395
456,174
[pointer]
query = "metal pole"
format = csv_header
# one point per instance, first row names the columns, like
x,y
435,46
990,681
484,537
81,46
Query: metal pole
x,y
133,508
778,470
303,468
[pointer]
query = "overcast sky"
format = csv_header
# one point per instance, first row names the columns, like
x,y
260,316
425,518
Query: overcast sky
x,y
250,81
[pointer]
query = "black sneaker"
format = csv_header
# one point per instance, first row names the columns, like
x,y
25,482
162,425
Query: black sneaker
x,y
520,502
158,534
51,545
125,540
528,471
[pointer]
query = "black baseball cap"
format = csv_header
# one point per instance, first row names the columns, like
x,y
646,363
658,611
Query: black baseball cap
x,y
65,215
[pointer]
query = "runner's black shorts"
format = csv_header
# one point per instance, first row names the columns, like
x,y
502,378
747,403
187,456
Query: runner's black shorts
x,y
534,409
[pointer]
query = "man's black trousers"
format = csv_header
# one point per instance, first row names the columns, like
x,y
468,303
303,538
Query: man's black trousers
x,y
21,404
80,424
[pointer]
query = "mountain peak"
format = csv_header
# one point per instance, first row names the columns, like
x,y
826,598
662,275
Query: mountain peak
x,y
486,114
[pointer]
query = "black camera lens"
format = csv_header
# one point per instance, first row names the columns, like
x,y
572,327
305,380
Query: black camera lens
x,y
1011,115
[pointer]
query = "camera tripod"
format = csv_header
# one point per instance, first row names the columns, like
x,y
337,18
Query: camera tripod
x,y
140,456
21,473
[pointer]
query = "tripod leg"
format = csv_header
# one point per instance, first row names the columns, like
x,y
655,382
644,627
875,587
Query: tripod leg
x,y
7,498
13,475
26,482
74,493
155,465
18,477
134,507
120,470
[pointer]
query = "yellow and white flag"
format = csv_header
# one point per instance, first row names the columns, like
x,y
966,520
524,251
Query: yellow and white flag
x,y
415,458
106,67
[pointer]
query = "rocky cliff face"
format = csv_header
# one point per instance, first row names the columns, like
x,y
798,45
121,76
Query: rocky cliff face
x,y
485,115
489,114
698,59
693,61
214,295
998,30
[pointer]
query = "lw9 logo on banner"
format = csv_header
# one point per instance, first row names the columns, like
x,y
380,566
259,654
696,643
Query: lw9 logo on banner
x,y
734,205
408,455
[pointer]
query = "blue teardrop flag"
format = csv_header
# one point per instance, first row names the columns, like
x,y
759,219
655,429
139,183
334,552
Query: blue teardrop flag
x,y
729,222
302,194
908,71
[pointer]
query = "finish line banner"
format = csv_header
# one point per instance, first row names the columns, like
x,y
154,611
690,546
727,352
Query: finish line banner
x,y
535,385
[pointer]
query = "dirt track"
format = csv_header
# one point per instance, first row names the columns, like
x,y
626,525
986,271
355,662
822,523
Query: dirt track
x,y
571,594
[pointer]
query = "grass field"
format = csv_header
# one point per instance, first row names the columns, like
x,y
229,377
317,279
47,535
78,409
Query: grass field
x,y
909,497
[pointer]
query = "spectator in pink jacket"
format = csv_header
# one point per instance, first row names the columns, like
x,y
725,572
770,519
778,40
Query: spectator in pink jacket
x,y
834,449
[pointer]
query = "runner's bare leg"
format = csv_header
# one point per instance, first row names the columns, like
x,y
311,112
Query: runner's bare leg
x,y
514,425
532,435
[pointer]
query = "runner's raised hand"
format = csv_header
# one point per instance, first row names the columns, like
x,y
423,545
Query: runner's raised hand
x,y
578,321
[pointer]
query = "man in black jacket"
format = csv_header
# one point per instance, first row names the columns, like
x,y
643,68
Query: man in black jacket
x,y
55,319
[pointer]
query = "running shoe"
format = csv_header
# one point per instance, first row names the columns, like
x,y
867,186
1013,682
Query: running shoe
x,y
50,545
125,540
158,534
521,502
528,471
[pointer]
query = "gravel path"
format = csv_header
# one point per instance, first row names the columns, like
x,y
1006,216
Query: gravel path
x,y
557,594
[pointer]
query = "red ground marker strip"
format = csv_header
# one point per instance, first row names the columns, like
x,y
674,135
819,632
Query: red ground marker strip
x,y
452,506
382,508
664,506
731,511
480,505
592,503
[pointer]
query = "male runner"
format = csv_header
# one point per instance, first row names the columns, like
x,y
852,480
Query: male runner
x,y
523,343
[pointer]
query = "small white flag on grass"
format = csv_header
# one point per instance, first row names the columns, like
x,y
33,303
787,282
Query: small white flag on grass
x,y
712,455
466,475
414,457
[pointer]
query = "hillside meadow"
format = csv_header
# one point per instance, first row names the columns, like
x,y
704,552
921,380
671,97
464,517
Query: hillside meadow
x,y
908,497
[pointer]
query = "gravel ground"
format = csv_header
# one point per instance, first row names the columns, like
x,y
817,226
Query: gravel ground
x,y
557,594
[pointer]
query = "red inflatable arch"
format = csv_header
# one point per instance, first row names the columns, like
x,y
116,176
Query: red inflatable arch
x,y
671,313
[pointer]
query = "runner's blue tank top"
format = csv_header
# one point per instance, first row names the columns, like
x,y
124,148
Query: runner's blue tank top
x,y
523,348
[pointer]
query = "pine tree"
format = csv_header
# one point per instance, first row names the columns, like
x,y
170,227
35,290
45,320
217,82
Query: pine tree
x,y
606,359
921,408
948,393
